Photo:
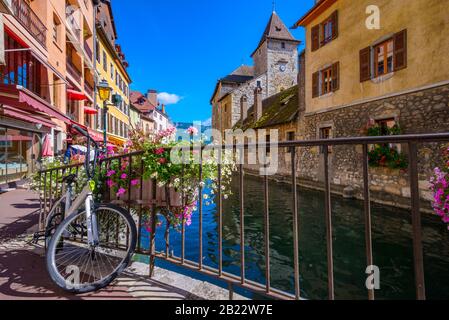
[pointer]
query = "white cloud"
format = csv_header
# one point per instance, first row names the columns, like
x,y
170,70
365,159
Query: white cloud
x,y
168,98
207,123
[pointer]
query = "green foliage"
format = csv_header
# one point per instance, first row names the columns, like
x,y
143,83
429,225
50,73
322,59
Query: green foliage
x,y
386,156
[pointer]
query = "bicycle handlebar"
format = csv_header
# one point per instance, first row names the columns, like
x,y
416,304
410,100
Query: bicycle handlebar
x,y
83,132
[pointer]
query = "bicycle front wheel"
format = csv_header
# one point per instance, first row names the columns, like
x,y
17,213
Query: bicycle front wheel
x,y
78,267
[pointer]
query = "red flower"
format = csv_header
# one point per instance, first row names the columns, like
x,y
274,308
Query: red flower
x,y
159,151
162,161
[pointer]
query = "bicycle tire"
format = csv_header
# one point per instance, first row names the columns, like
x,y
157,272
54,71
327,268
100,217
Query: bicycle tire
x,y
91,287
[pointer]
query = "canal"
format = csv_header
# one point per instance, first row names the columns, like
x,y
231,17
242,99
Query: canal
x,y
392,244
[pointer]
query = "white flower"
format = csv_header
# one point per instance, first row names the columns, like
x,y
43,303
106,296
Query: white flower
x,y
206,197
226,197
202,184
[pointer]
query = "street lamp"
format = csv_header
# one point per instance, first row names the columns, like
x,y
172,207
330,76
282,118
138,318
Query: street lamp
x,y
104,91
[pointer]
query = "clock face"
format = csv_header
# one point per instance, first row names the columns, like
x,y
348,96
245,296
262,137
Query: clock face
x,y
282,68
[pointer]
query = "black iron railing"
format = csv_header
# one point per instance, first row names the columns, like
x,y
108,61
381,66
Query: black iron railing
x,y
26,16
292,149
73,71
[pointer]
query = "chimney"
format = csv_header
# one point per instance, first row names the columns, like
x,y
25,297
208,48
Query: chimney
x,y
258,102
163,108
152,97
243,108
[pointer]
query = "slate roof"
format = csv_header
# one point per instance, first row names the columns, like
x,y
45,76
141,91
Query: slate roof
x,y
139,101
275,29
278,109
244,71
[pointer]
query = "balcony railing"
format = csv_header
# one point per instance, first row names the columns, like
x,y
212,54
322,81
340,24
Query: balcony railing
x,y
73,71
48,192
74,26
88,51
26,16
89,90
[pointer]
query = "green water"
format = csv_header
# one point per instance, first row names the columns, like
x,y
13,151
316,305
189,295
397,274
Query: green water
x,y
392,244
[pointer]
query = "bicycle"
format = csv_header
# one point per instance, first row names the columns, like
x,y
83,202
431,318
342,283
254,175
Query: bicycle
x,y
94,243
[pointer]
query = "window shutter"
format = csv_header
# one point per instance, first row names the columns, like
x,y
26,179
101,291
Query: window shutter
x,y
365,64
334,19
400,50
316,38
316,84
336,76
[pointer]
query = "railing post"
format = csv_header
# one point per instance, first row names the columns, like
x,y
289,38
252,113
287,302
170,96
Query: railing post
x,y
329,236
200,207
367,209
416,222
295,225
153,228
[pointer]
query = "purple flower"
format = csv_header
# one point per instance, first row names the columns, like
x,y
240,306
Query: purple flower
x,y
110,173
134,182
110,183
120,192
123,176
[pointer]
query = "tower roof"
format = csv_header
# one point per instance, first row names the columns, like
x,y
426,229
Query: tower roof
x,y
275,29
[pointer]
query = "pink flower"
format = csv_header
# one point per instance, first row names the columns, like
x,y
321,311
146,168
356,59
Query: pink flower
x,y
159,151
110,173
110,183
120,192
192,131
123,176
134,182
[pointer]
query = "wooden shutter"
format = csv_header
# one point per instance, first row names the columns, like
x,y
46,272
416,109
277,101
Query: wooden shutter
x,y
365,64
316,84
400,50
316,38
334,19
335,76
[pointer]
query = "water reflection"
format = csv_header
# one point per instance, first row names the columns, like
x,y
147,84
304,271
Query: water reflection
x,y
392,244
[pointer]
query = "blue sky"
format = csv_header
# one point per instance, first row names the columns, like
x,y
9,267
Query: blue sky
x,y
182,47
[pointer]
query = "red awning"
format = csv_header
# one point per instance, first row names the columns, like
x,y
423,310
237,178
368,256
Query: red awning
x,y
15,138
25,116
22,98
90,110
97,136
76,95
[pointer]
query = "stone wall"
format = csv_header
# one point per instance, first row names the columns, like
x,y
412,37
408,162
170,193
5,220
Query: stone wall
x,y
425,111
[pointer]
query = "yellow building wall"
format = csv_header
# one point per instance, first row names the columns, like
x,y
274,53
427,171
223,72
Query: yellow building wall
x,y
427,26
107,76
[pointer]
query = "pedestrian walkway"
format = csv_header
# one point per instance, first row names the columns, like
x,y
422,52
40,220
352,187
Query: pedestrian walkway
x,y
23,275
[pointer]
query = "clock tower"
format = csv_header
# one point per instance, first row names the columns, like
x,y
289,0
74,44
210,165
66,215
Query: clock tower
x,y
276,56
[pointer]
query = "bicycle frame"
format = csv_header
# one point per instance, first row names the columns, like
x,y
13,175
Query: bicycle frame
x,y
86,197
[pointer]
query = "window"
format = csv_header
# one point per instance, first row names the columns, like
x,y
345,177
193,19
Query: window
x,y
97,50
325,134
56,27
112,71
268,147
325,32
326,80
105,61
290,137
56,91
283,45
385,125
384,58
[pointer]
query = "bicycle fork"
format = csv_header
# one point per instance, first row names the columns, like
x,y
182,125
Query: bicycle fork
x,y
92,223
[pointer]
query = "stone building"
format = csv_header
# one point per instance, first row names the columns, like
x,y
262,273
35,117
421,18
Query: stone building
x,y
275,69
395,76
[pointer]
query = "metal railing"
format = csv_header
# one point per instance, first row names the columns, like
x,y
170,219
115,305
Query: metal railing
x,y
88,88
73,71
75,28
88,51
26,16
291,148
